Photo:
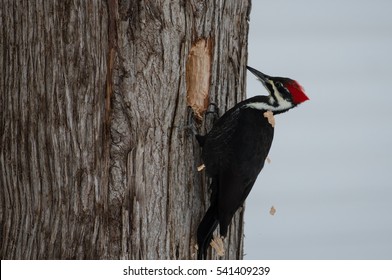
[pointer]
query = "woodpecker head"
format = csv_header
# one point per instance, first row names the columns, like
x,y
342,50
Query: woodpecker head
x,y
285,93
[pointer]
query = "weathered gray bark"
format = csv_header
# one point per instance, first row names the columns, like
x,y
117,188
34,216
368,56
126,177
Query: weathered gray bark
x,y
95,161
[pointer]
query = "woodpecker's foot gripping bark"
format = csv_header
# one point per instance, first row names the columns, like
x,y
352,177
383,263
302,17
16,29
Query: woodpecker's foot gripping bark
x,y
214,111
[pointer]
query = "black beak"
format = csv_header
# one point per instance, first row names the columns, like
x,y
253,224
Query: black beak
x,y
258,74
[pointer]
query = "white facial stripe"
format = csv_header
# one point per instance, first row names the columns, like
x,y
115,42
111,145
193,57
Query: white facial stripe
x,y
263,106
260,106
283,104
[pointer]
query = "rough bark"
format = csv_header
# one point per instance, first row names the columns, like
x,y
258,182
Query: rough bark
x,y
96,161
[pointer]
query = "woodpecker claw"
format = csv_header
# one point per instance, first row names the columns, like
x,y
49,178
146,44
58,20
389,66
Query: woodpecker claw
x,y
191,123
215,111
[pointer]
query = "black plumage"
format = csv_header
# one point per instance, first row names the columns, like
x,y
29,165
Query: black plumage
x,y
235,150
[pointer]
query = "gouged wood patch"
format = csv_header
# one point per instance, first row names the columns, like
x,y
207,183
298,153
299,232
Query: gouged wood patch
x,y
198,76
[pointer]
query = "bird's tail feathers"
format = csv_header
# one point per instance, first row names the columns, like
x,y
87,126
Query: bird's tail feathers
x,y
205,230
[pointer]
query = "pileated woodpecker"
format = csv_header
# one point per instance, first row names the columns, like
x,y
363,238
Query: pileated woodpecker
x,y
235,149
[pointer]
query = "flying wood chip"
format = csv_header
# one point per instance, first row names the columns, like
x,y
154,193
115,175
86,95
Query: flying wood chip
x,y
272,211
198,76
270,116
201,167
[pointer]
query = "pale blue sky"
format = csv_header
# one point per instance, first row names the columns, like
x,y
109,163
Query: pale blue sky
x,y
330,178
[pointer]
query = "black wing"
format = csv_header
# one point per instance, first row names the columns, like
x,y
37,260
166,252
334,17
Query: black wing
x,y
216,147
234,153
249,147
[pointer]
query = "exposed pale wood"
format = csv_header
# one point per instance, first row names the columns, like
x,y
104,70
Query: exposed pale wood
x,y
96,161
198,76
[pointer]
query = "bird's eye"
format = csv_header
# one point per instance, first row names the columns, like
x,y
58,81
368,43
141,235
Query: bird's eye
x,y
283,90
278,84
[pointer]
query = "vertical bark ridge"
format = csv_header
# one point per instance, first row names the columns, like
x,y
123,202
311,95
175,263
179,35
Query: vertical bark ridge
x,y
154,43
95,161
52,100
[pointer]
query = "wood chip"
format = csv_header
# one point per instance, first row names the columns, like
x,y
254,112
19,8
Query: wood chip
x,y
201,167
217,244
270,116
272,211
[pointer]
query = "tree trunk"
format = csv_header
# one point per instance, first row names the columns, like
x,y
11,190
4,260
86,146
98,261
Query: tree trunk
x,y
96,159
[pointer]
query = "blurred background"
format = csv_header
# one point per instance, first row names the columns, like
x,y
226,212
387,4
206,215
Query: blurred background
x,y
330,176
